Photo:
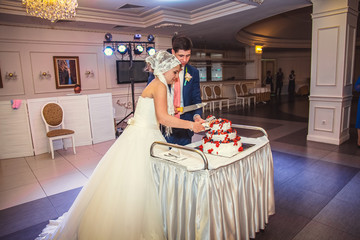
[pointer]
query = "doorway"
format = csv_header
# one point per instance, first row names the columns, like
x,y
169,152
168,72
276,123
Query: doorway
x,y
267,65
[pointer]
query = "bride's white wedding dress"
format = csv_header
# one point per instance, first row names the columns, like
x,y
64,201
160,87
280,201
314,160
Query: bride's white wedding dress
x,y
120,200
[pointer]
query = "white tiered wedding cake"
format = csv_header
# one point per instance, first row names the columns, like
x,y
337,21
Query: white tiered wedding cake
x,y
221,139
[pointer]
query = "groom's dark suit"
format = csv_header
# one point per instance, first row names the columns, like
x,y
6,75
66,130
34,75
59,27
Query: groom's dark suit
x,y
190,95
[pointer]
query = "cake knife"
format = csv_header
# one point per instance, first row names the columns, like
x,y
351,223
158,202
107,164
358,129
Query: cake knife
x,y
189,108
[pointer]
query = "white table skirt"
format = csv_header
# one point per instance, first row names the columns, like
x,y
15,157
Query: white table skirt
x,y
228,202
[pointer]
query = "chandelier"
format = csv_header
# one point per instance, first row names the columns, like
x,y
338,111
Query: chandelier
x,y
52,10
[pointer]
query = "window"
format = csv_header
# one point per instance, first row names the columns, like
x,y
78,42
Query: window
x,y
207,66
216,72
202,73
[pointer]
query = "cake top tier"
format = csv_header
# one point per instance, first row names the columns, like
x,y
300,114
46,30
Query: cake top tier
x,y
220,124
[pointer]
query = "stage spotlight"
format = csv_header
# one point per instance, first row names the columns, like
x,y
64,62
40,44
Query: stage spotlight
x,y
122,49
150,38
108,51
108,37
138,49
137,36
151,51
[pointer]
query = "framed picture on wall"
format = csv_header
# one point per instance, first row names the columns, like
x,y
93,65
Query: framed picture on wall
x,y
67,72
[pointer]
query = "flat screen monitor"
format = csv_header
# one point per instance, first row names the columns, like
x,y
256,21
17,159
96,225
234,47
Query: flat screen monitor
x,y
122,71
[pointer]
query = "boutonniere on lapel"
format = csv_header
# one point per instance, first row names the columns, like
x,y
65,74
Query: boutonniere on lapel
x,y
188,77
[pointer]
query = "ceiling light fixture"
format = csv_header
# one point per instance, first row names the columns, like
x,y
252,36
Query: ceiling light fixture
x,y
52,10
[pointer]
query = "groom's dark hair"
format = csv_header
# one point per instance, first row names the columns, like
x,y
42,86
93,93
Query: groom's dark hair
x,y
181,43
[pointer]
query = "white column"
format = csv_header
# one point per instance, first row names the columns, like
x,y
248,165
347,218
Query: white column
x,y
253,69
332,67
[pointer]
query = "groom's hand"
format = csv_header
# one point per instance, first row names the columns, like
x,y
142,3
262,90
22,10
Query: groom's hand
x,y
179,109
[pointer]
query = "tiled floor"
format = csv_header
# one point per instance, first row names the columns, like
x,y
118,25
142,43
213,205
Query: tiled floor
x,y
317,186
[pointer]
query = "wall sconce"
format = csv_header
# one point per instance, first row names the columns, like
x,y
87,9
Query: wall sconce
x,y
89,73
10,76
258,49
45,75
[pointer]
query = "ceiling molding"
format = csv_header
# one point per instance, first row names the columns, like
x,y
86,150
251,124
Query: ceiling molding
x,y
217,10
209,23
328,13
10,7
253,39
146,17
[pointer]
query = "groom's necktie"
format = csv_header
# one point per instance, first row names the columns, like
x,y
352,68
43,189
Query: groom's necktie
x,y
177,96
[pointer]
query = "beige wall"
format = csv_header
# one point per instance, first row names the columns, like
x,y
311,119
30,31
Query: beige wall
x,y
29,51
234,70
300,61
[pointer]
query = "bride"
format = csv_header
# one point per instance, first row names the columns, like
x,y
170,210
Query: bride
x,y
120,200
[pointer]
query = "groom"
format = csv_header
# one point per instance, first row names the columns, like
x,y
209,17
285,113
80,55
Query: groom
x,y
189,89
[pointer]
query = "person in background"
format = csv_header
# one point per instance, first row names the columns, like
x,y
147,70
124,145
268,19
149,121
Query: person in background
x,y
291,87
357,125
269,81
279,81
186,91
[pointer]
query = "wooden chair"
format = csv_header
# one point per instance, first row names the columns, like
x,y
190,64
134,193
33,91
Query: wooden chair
x,y
218,96
208,97
247,95
239,98
53,117
204,101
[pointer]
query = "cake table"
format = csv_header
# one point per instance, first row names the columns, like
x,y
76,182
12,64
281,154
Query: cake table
x,y
204,196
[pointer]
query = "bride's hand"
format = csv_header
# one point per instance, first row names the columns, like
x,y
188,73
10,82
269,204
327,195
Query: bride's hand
x,y
198,119
197,127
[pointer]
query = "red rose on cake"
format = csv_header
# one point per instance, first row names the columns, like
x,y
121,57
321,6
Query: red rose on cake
x,y
221,139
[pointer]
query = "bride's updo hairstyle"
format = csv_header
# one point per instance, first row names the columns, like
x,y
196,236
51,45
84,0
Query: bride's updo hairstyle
x,y
161,62
158,64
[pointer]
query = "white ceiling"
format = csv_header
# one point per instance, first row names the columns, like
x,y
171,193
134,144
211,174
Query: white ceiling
x,y
212,24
